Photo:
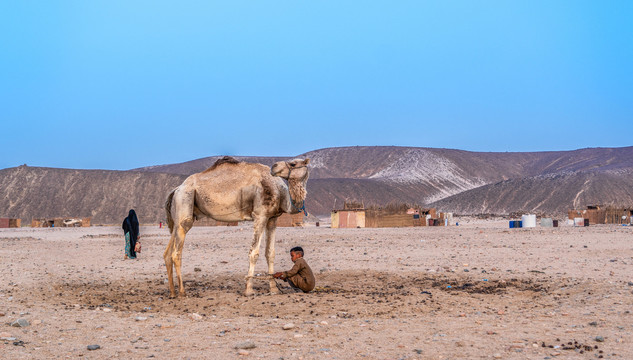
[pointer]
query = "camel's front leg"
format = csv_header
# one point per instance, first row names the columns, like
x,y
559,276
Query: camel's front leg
x,y
258,230
271,226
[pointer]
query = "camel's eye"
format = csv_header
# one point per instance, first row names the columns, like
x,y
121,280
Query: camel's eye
x,y
292,165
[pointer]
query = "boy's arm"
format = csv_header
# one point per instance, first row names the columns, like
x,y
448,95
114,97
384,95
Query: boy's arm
x,y
295,269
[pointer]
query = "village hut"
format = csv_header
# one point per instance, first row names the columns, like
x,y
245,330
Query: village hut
x,y
618,215
290,220
351,216
594,214
396,215
10,223
356,215
61,222
348,218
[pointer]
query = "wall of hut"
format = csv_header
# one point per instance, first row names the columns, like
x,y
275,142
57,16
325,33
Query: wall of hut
x,y
290,220
396,216
10,223
61,222
618,215
595,215
348,219
378,220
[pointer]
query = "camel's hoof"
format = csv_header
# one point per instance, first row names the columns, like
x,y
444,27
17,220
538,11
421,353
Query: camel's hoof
x,y
274,291
249,292
173,296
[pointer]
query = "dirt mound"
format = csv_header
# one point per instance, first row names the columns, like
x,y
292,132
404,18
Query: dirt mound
x,y
381,294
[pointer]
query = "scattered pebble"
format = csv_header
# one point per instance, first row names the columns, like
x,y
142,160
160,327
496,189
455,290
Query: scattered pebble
x,y
20,323
599,339
93,347
245,345
195,316
242,352
140,318
288,326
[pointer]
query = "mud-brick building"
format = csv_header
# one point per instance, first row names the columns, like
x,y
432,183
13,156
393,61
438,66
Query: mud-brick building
x,y
351,218
393,215
10,223
596,214
600,214
61,222
290,220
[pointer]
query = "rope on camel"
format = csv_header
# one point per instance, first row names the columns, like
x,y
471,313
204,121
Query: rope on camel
x,y
260,276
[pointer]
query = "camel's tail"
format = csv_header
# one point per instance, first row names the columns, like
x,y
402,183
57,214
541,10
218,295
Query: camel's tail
x,y
170,220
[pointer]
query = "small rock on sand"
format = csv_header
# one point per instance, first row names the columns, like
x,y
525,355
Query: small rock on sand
x,y
243,352
20,323
288,326
245,345
93,347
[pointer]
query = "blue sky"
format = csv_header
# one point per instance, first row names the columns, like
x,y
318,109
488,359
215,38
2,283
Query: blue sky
x,y
124,84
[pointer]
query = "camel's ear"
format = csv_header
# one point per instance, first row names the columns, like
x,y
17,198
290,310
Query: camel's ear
x,y
306,161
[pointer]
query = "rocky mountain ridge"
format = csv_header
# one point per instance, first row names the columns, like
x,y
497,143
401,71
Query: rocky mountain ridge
x,y
460,181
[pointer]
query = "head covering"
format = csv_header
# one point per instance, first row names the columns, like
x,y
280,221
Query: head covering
x,y
132,216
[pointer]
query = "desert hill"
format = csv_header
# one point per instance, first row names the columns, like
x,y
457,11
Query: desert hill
x,y
546,194
460,181
106,196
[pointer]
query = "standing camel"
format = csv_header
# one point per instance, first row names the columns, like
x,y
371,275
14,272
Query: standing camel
x,y
231,190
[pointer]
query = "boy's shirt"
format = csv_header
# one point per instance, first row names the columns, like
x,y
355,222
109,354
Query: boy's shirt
x,y
303,271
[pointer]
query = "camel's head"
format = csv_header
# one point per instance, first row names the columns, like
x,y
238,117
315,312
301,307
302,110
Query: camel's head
x,y
296,169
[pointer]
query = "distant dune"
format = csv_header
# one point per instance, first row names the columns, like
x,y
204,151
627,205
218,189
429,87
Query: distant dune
x,y
463,182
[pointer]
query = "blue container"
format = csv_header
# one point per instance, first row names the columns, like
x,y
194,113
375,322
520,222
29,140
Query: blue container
x,y
520,223
511,224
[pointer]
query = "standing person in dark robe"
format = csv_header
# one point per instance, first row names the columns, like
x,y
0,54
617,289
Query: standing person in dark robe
x,y
131,230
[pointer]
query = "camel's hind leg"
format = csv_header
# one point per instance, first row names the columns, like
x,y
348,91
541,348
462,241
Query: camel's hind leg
x,y
173,256
258,230
182,211
176,254
169,263
271,227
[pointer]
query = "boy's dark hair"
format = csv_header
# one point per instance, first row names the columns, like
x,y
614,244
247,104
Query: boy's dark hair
x,y
297,249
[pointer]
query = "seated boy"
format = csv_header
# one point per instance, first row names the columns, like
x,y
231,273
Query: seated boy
x,y
300,277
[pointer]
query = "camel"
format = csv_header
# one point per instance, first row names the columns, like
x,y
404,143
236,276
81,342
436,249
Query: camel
x,y
231,190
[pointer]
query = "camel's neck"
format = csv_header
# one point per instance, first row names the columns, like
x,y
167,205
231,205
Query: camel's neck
x,y
297,191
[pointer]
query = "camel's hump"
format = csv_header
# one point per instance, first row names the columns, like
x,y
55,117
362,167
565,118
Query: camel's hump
x,y
224,160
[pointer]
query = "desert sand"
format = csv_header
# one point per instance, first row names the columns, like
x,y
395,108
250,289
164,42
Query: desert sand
x,y
475,291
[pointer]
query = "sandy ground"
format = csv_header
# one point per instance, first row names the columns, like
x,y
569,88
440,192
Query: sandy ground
x,y
474,291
